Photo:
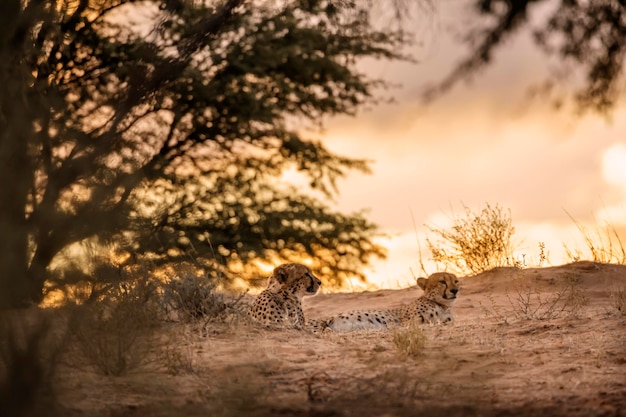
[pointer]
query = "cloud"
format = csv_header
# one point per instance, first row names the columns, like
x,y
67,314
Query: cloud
x,y
524,164
483,142
614,165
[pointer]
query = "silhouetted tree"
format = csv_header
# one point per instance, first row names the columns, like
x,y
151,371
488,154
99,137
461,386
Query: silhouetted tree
x,y
587,36
167,124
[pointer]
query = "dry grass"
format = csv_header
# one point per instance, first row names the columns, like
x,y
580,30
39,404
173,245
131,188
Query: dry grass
x,y
618,298
176,351
409,340
476,242
191,295
123,329
115,334
604,244
534,300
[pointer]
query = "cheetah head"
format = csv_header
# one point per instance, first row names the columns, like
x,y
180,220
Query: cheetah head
x,y
296,278
441,287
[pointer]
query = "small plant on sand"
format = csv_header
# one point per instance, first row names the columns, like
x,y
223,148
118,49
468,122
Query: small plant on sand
x,y
177,355
476,242
409,340
544,255
532,300
193,294
619,301
493,310
116,333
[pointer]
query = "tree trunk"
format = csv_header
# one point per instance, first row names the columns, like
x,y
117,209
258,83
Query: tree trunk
x,y
16,134
16,175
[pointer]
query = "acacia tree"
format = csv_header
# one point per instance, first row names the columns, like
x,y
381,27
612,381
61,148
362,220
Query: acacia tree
x,y
171,137
589,38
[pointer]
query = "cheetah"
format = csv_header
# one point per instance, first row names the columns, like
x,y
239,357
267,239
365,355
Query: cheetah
x,y
280,304
434,306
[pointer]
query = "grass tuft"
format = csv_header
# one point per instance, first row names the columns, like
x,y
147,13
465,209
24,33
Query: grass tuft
x,y
409,340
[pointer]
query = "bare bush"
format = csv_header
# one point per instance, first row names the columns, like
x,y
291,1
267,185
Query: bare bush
x,y
532,300
193,295
476,242
115,335
176,353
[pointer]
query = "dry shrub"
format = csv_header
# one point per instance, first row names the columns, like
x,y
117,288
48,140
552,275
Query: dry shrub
x,y
176,353
29,350
115,334
193,295
604,244
475,243
409,340
533,300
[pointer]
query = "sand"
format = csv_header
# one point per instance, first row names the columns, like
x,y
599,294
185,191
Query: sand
x,y
496,359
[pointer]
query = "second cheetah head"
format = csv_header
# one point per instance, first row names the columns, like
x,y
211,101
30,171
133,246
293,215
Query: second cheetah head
x,y
441,287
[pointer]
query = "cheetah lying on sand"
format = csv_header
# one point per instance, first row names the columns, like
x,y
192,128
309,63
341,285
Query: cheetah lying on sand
x,y
280,304
434,306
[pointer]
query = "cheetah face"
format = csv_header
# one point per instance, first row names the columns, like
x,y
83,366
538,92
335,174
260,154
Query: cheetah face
x,y
312,284
441,287
297,278
304,283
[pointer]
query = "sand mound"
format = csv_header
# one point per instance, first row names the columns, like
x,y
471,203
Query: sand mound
x,y
499,358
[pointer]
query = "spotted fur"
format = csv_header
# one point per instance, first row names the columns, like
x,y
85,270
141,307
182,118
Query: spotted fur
x,y
280,304
434,306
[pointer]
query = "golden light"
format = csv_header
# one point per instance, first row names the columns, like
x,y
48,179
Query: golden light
x,y
614,165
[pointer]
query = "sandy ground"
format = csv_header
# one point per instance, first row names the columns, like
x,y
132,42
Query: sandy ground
x,y
496,359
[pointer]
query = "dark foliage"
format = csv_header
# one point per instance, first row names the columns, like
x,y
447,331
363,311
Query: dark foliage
x,y
167,125
587,36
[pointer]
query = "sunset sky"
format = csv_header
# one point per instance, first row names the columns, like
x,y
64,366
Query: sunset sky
x,y
483,142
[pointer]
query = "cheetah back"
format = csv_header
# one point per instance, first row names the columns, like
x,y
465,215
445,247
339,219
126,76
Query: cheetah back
x,y
434,306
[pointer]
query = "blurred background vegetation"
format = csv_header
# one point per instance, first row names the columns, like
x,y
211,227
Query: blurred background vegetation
x,y
161,130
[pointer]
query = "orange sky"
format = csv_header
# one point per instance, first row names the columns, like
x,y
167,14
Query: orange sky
x,y
480,143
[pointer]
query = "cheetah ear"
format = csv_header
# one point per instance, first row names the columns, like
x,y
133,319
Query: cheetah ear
x,y
281,273
422,283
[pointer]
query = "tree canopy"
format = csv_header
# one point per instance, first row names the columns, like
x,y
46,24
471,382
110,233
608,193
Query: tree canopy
x,y
588,37
166,126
